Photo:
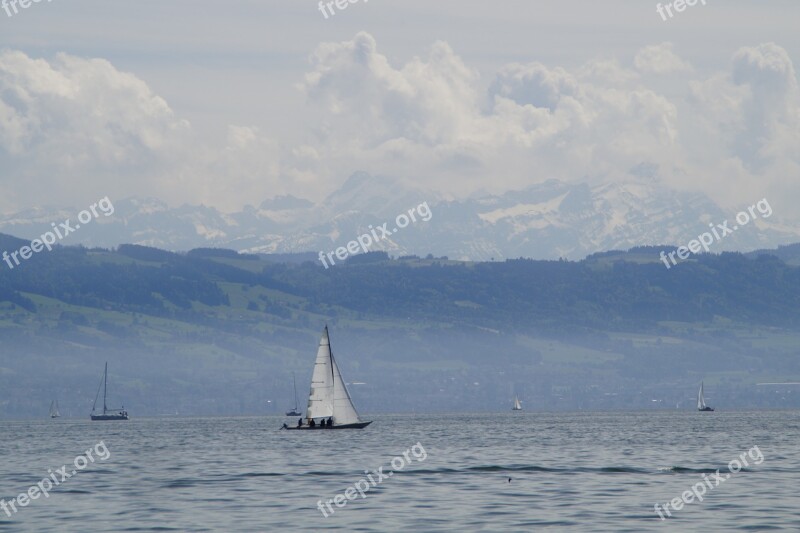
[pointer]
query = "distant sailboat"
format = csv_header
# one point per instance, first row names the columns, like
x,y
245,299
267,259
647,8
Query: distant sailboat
x,y
108,414
701,401
54,409
517,405
294,412
329,398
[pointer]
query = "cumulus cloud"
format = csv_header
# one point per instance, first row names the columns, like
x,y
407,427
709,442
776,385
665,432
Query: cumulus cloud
x,y
75,128
770,109
659,59
535,84
749,121
80,110
432,120
422,101
428,118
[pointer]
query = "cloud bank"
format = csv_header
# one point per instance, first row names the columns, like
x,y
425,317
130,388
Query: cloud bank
x,y
76,127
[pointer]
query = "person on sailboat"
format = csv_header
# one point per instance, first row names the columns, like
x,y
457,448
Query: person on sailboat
x,y
312,423
299,422
330,422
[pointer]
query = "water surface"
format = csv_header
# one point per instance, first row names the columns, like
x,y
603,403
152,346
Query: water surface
x,y
569,472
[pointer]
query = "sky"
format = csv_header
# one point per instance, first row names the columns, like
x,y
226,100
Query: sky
x,y
230,103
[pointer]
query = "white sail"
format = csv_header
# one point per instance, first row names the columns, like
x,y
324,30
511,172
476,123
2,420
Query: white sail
x,y
320,399
54,409
344,412
701,401
517,405
329,395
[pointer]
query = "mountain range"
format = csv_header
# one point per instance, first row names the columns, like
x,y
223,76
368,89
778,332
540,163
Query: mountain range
x,y
548,220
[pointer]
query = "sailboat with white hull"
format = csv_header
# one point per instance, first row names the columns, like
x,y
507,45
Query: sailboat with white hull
x,y
108,414
329,402
701,401
294,412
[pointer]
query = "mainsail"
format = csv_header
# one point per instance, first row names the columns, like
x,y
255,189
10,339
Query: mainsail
x,y
54,409
701,401
517,405
329,395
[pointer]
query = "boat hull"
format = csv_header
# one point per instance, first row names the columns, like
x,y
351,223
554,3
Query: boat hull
x,y
705,409
294,413
359,425
109,417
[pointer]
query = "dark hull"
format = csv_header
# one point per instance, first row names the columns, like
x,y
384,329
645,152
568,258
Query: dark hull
x,y
706,409
360,425
109,417
294,413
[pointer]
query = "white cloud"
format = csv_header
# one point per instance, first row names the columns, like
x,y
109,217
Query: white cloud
x,y
659,59
430,119
748,121
74,129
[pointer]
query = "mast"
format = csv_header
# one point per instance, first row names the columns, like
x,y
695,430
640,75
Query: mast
x,y
105,387
294,381
330,353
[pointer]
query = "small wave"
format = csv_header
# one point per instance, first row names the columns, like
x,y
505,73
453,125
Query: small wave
x,y
686,470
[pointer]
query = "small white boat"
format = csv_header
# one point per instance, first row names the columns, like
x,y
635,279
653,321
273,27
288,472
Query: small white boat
x,y
108,414
517,405
701,401
294,411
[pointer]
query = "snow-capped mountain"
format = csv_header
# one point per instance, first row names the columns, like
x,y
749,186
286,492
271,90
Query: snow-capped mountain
x,y
548,220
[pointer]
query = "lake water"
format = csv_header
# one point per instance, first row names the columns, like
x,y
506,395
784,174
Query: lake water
x,y
569,472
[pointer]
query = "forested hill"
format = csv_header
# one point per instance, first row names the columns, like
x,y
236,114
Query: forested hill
x,y
613,290
213,331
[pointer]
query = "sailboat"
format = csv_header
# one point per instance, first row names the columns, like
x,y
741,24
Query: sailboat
x,y
517,405
329,398
701,401
108,414
54,409
294,412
